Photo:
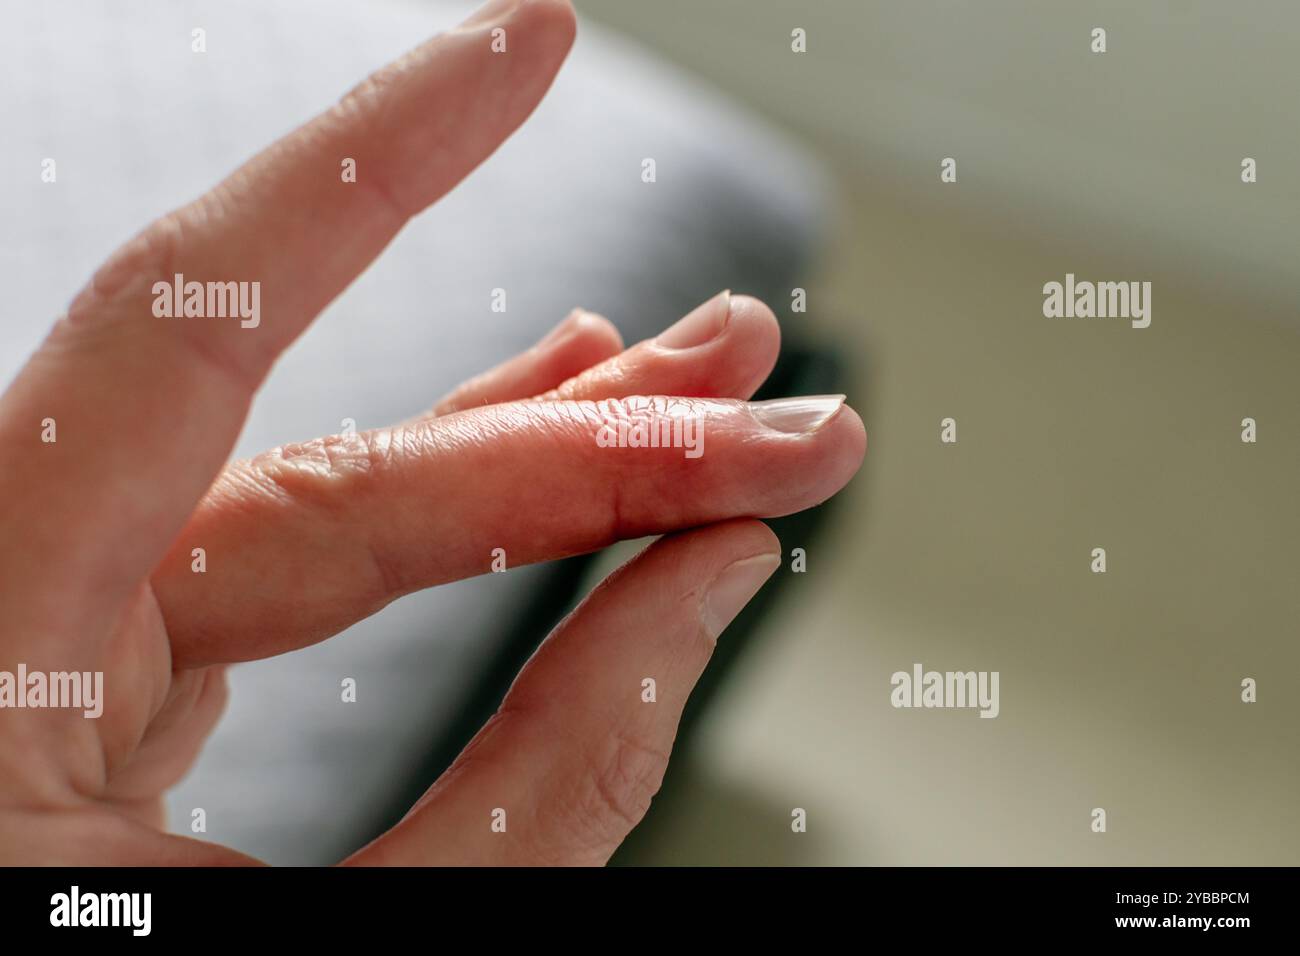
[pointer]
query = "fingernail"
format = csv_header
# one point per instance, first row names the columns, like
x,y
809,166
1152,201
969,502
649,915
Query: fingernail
x,y
732,589
493,10
797,415
703,324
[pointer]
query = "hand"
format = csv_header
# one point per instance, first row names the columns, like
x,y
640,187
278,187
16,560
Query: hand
x,y
100,524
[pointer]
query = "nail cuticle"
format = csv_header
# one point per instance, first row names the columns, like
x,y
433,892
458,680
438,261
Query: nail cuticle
x,y
700,326
733,588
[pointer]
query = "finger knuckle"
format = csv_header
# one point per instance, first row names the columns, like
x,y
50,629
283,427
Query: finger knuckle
x,y
623,774
128,274
328,473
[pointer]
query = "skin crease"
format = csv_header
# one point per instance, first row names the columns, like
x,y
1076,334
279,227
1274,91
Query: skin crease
x,y
306,539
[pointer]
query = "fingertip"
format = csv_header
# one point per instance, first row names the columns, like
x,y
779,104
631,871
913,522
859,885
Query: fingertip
x,y
755,334
556,17
599,332
755,316
852,434
582,340
843,442
816,444
726,347
745,538
684,560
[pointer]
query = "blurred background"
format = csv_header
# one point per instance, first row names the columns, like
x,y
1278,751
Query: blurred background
x,y
818,171
1119,690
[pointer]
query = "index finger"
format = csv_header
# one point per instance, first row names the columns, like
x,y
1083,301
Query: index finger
x,y
147,407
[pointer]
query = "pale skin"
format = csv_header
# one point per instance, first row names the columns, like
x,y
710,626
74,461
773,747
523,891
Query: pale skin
x,y
98,527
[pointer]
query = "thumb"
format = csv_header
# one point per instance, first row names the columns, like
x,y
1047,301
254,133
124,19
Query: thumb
x,y
570,762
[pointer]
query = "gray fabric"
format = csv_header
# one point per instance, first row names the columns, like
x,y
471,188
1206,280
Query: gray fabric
x,y
137,124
